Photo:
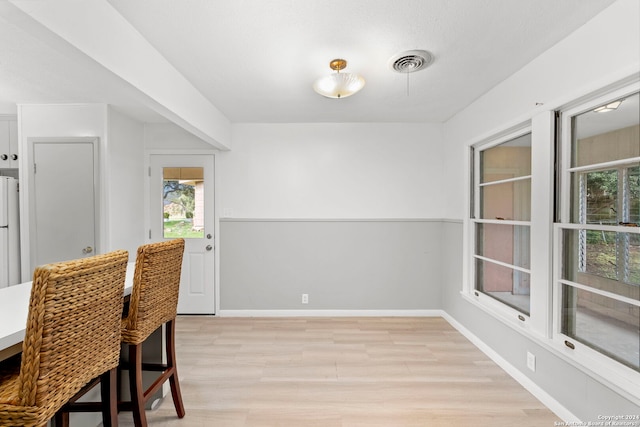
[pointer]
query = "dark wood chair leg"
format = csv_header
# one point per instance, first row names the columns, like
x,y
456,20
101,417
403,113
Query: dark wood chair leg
x,y
61,419
171,363
109,394
135,385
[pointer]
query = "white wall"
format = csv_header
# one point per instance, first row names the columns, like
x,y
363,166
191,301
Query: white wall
x,y
332,171
53,121
128,56
125,183
604,50
327,209
8,109
168,136
121,160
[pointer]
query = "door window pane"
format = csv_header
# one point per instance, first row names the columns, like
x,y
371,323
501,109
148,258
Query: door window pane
x,y
183,202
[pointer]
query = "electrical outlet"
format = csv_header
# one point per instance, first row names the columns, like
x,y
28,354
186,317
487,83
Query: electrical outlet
x,y
305,298
531,361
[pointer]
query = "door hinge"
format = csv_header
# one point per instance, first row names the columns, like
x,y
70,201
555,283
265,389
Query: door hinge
x,y
149,234
34,168
149,170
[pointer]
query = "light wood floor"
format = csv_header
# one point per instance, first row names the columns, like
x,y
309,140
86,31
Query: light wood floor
x,y
339,372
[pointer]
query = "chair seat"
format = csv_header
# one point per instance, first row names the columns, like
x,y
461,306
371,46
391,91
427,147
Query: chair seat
x,y
9,381
11,413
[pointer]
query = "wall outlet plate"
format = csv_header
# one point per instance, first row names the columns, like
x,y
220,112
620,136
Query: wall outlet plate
x,y
305,298
531,361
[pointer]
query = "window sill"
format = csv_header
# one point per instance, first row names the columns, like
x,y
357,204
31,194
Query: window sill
x,y
512,317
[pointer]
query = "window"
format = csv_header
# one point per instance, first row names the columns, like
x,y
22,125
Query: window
x,y
599,279
183,204
501,220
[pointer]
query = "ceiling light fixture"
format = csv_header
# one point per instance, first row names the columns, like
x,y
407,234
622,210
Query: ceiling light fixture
x,y
609,107
338,85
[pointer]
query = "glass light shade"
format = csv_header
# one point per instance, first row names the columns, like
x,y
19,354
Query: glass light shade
x,y
609,107
338,85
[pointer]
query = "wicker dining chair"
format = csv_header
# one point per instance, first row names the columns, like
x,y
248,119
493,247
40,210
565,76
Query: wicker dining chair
x,y
72,337
154,301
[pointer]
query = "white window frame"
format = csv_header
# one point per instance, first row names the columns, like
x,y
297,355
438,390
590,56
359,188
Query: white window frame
x,y
538,324
486,302
619,376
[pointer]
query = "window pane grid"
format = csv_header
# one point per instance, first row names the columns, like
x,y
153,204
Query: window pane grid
x,y
598,227
612,329
507,285
506,200
582,252
503,181
604,255
502,206
500,221
604,165
631,195
502,264
625,248
604,293
598,279
505,244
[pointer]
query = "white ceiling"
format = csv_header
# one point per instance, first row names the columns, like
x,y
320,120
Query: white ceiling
x,y
256,60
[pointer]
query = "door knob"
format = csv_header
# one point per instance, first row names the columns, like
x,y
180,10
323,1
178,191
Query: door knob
x,y
209,236
4,157
209,247
87,250
14,157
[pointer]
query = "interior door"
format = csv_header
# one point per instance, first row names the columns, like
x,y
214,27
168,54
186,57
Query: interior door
x,y
182,205
63,200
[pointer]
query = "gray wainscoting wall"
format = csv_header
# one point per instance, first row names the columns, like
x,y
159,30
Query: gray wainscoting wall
x,y
341,264
406,266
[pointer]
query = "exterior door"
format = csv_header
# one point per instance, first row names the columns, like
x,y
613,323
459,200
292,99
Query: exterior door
x,y
182,205
63,201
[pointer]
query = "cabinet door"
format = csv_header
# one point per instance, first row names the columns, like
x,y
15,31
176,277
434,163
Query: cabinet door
x,y
5,155
13,144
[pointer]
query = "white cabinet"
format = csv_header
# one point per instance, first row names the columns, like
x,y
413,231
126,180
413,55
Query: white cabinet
x,y
8,144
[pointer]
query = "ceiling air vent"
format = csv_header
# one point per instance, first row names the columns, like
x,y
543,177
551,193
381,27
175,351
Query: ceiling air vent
x,y
411,61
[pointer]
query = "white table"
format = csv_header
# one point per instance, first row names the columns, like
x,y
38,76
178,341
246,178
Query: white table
x,y
14,309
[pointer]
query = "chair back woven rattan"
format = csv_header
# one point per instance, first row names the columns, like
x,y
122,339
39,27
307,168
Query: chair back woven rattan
x,y
156,283
154,302
72,336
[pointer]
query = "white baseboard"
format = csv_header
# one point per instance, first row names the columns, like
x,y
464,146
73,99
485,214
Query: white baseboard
x,y
551,403
330,313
